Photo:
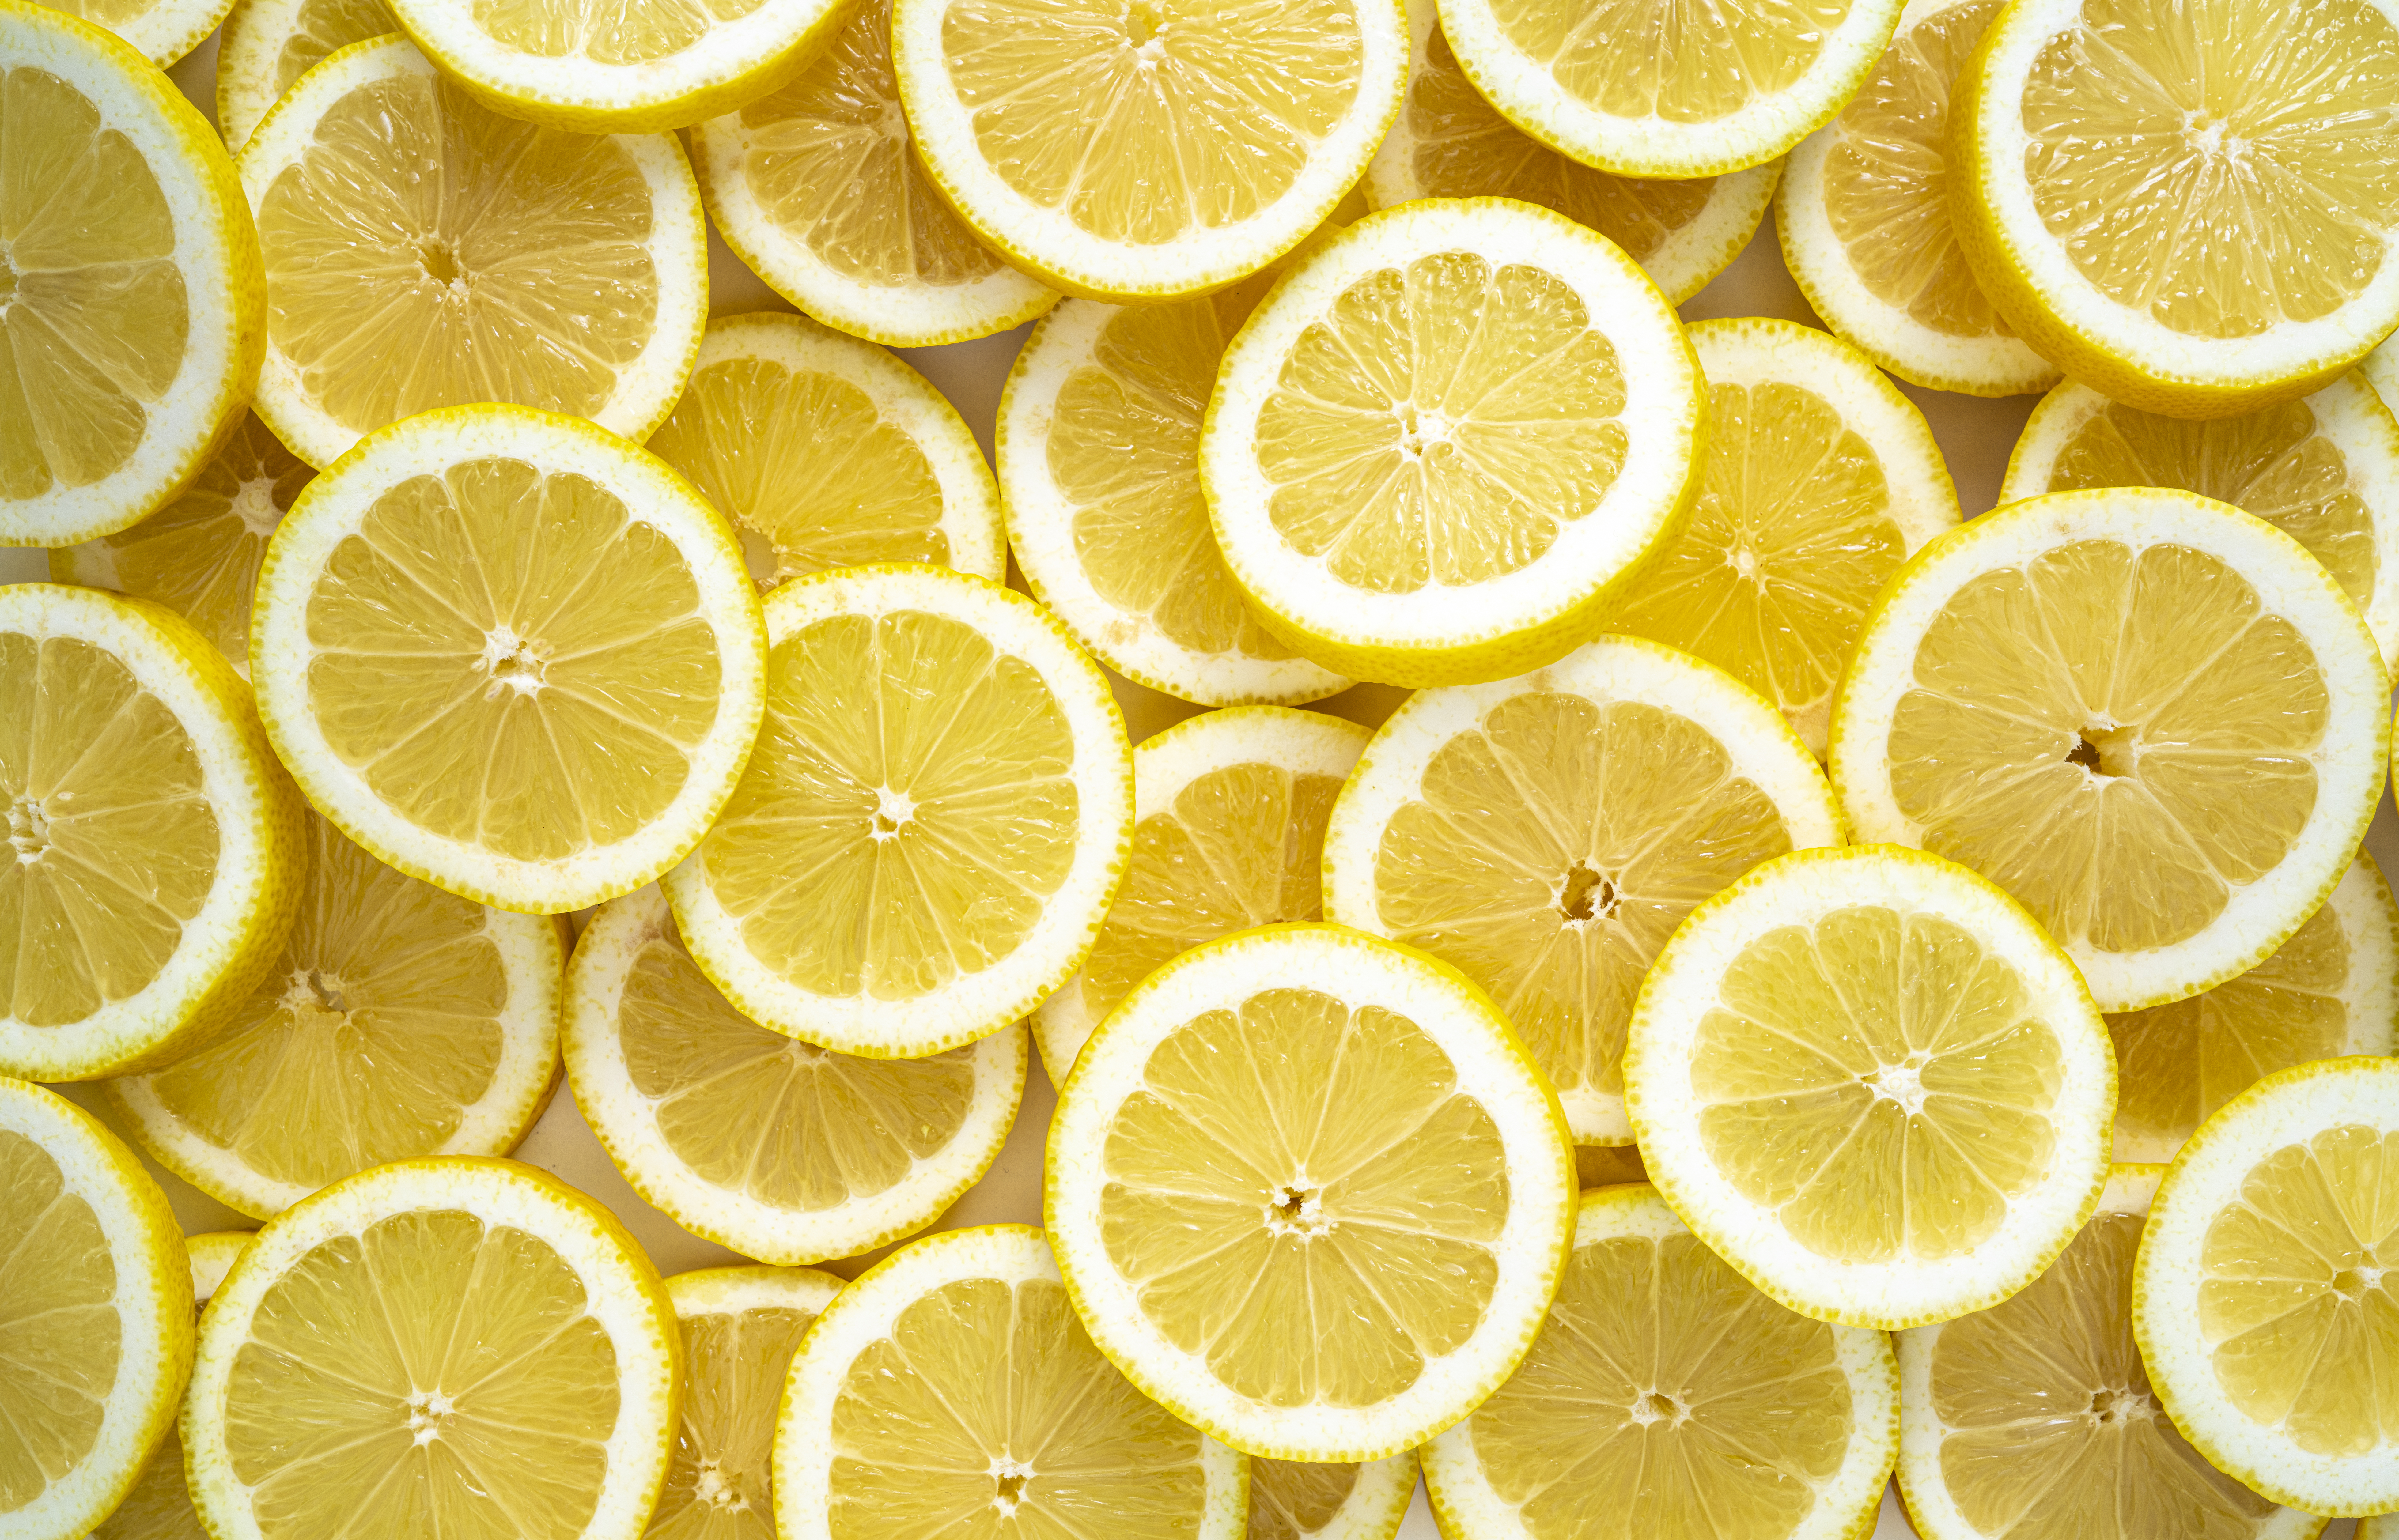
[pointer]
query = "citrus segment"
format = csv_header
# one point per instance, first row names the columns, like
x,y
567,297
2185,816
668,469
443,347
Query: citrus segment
x,y
1298,1500
268,45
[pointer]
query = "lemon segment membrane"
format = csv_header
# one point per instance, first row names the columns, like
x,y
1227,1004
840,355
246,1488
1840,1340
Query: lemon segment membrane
x,y
1313,1499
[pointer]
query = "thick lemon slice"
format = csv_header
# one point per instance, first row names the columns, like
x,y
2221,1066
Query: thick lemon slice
x,y
2134,184
511,655
1820,479
2151,718
422,251
1230,810
160,1506
952,1391
131,311
1546,835
1872,1084
1337,1500
268,45
2268,1281
739,1326
772,1146
153,841
1664,1395
1447,440
162,30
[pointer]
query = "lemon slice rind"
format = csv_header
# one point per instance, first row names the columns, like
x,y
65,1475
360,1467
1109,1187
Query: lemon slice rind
x,y
167,30
249,59
1376,1505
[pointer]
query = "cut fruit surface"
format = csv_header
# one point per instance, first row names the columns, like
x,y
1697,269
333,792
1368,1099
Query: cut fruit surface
x,y
422,252
1871,1083
1665,1396
160,1506
1265,1159
1299,1500
952,1391
268,45
777,1148
161,30
1820,480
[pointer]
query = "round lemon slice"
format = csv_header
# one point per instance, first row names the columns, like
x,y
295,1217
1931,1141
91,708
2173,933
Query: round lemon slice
x,y
160,1506
1820,479
1872,1084
131,310
739,1326
422,251
1467,511
2131,181
268,45
1335,1500
2034,1418
511,655
95,1316
1148,152
1664,1395
952,1391
771,1146
2324,470
153,843
1230,810
2153,718
2266,1285
1309,1193
162,30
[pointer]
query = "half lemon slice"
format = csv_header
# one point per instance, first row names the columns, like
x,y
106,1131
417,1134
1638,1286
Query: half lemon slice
x,y
268,45
1303,1500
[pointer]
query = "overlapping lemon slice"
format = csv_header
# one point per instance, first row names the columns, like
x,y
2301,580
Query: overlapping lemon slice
x,y
268,45
161,30
160,1506
1334,1500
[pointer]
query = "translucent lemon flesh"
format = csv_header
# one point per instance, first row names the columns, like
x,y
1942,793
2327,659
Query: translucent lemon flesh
x,y
606,32
160,1506
1293,1499
721,1485
1679,60
320,28
60,1334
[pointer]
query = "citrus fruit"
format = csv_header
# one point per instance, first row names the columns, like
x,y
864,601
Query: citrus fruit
x,y
1301,1500
1447,438
268,45
2381,369
160,1506
212,1255
1609,1166
161,30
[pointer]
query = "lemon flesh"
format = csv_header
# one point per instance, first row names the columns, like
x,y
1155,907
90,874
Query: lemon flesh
x,y
268,45
739,1326
62,1332
1333,1500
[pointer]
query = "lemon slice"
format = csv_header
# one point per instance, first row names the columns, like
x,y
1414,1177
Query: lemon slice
x,y
2324,470
2132,184
1872,1084
2152,719
212,1256
932,827
1467,512
1448,142
1609,1166
153,843
1151,151
422,251
268,45
2265,1289
763,1144
952,1391
1820,479
1309,1193
511,655
825,451
1229,809
2035,1418
1664,1395
1547,834
131,311
95,1316
162,30
2381,371
1303,1500
1864,216
160,1506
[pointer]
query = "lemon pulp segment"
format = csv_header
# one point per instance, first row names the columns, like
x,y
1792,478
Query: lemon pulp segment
x,y
60,1334
1669,59
604,33
1293,1499
739,1326
268,45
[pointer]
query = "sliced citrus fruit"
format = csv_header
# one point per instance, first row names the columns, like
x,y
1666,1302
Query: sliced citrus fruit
x,y
1609,1166
511,655
212,1256
422,251
131,310
2381,371
2153,718
1228,813
161,30
268,45
1820,479
951,1390
1546,835
2380,1526
1337,1500
153,842
160,1506
1447,440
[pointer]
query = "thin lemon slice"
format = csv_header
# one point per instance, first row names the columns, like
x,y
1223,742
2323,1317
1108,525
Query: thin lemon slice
x,y
131,311
153,843
1546,835
422,251
2034,1419
2153,718
1873,1084
1820,480
817,187
1664,1395
952,1391
1303,1500
268,45
1309,1193
1153,150
95,1317
932,827
1609,1166
1446,440
2268,1281
774,1147
511,655
2133,184
162,30
2324,470
825,451
1864,216
1230,810
160,1506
